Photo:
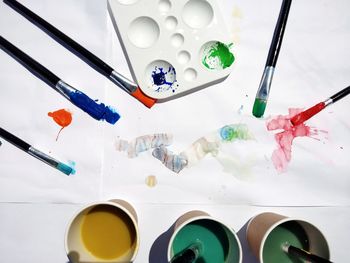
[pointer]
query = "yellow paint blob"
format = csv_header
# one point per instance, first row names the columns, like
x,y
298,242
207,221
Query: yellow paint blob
x,y
108,232
151,181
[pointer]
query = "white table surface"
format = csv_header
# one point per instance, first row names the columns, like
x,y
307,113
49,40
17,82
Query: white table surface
x,y
36,201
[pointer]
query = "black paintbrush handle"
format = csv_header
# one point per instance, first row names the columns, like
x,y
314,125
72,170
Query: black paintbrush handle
x,y
278,34
341,94
33,66
61,38
14,140
188,256
305,255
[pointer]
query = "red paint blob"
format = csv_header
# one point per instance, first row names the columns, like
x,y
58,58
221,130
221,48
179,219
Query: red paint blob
x,y
61,117
305,115
283,154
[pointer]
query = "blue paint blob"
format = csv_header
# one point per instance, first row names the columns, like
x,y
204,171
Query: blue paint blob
x,y
158,78
98,111
227,133
164,79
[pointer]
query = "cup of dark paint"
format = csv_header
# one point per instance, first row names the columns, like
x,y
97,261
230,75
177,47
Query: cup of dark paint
x,y
267,232
219,243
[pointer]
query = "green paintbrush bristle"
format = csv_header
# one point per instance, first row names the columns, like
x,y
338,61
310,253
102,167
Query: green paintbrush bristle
x,y
259,107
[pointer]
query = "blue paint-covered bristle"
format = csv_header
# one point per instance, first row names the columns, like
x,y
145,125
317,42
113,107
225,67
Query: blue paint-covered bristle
x,y
98,111
65,169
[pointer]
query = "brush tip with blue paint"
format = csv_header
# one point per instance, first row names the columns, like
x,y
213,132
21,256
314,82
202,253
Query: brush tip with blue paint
x,y
98,111
64,168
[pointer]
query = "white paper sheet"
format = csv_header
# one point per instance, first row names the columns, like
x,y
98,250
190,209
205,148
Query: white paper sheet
x,y
312,66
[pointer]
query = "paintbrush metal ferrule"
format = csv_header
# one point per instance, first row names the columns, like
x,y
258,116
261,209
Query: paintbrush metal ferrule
x,y
123,82
263,92
265,83
43,157
65,89
328,102
50,161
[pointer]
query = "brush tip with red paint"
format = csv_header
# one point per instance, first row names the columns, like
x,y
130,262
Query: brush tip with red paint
x,y
307,114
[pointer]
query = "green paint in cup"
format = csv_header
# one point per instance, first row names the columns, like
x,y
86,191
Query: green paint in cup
x,y
290,232
217,245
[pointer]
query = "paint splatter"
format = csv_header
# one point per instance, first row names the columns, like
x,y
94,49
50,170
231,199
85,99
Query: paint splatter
x,y
173,162
217,56
143,143
151,181
163,80
62,117
98,111
283,154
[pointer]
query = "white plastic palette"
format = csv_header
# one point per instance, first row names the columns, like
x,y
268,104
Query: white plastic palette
x,y
165,42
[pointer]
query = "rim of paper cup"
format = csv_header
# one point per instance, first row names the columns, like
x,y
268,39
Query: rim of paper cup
x,y
131,216
179,227
284,220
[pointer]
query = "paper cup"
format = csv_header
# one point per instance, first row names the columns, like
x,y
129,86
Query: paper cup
x,y
219,242
265,232
88,236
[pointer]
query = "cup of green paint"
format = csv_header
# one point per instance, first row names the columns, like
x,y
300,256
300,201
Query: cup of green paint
x,y
268,232
218,242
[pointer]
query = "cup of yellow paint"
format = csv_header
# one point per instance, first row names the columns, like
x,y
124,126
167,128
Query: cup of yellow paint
x,y
103,232
218,242
267,232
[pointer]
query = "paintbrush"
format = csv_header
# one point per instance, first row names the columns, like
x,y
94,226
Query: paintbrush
x,y
35,152
307,114
95,62
302,254
266,80
81,100
188,255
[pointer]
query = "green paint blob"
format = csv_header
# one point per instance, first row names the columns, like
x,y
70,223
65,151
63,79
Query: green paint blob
x,y
216,244
230,133
217,56
290,232
259,107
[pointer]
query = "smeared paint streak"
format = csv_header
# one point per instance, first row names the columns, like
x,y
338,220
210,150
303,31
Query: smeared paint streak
x,y
217,56
151,181
236,21
212,142
240,168
62,117
164,79
143,143
283,154
236,12
209,144
173,162
98,111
